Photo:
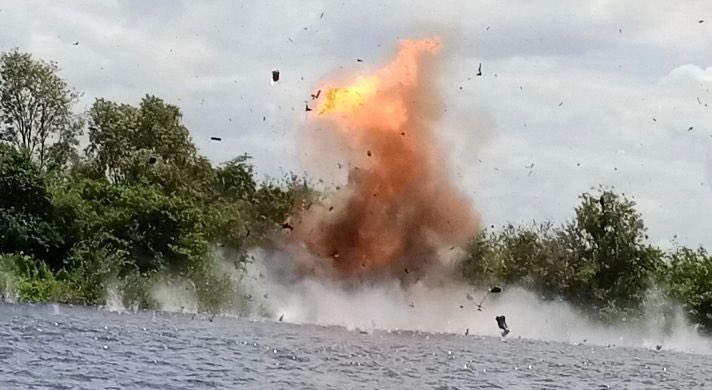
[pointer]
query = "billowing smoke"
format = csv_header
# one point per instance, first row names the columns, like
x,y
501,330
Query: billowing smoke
x,y
400,206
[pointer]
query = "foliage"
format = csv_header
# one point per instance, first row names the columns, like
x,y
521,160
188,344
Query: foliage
x,y
688,277
29,280
146,145
35,109
29,222
599,260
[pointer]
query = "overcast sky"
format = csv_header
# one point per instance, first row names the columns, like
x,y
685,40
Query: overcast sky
x,y
590,92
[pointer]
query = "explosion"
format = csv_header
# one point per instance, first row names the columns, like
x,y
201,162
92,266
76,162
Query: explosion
x,y
400,205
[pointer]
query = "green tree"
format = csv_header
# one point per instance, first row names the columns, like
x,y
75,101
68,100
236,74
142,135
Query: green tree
x,y
610,244
147,144
35,109
29,221
688,277
599,260
157,231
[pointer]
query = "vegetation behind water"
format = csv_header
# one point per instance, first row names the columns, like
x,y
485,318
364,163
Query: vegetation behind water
x,y
139,206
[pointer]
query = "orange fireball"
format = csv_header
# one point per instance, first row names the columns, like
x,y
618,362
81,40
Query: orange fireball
x,y
400,205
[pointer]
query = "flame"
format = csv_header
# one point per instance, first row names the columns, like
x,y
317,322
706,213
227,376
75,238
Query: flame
x,y
399,206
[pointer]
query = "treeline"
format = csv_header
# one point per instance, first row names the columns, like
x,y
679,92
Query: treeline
x,y
600,261
139,204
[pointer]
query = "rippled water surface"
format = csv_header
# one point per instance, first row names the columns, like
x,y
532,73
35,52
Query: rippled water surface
x,y
53,347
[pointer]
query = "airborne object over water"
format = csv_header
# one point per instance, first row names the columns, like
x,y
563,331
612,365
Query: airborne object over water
x,y
502,323
493,290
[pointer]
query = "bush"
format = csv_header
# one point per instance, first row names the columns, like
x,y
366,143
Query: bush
x,y
688,278
29,280
598,261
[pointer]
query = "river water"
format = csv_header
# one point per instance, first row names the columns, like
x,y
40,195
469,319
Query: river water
x,y
62,347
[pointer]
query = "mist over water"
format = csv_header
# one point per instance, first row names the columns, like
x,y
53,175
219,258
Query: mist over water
x,y
391,306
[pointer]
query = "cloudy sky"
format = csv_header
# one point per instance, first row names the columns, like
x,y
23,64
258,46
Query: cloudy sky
x,y
591,92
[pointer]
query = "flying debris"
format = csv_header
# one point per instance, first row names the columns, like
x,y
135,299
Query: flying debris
x,y
281,317
412,305
502,324
691,128
75,43
275,76
405,269
287,225
331,208
479,70
369,154
315,96
700,21
151,160
469,297
467,331
658,347
321,16
359,60
561,104
530,166
493,290
306,108
216,139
